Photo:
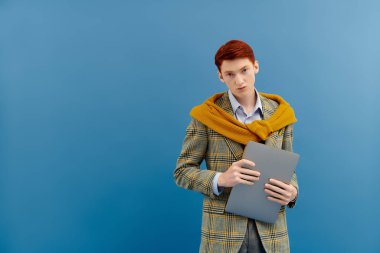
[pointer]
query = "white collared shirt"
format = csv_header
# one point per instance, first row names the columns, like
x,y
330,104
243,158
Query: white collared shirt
x,y
240,114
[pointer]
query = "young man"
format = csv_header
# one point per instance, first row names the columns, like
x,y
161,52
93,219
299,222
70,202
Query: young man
x,y
218,132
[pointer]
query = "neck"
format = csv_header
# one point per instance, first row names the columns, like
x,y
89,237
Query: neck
x,y
248,101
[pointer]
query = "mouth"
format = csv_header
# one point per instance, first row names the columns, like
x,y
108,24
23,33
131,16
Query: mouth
x,y
241,88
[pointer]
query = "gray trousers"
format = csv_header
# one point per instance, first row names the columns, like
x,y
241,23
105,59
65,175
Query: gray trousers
x,y
252,242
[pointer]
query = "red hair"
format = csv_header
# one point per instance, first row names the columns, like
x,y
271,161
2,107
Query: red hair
x,y
233,49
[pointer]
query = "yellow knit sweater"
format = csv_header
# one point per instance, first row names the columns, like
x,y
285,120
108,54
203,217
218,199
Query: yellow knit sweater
x,y
224,123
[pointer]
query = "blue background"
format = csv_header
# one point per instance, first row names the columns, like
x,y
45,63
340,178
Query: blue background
x,y
89,88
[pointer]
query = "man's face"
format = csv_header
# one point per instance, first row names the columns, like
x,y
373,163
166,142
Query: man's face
x,y
239,75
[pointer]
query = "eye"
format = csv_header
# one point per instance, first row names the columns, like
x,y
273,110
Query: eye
x,y
244,70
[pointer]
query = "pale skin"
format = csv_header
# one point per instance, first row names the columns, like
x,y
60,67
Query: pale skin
x,y
239,76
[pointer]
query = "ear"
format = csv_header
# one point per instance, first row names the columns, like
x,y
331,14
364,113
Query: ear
x,y
256,67
220,77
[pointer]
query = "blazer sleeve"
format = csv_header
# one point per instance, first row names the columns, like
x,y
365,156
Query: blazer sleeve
x,y
187,173
287,144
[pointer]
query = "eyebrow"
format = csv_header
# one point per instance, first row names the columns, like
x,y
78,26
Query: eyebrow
x,y
229,71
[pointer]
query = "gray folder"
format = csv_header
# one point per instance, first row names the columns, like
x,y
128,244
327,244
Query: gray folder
x,y
251,200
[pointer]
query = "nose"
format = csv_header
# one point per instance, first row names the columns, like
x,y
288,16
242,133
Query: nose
x,y
239,79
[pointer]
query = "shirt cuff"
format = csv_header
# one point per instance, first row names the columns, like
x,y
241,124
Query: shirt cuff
x,y
217,190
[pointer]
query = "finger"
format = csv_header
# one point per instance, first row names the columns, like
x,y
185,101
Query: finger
x,y
278,190
277,201
276,195
279,184
247,162
249,178
243,181
249,172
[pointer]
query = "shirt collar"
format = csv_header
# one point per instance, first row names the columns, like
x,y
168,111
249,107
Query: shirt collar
x,y
235,104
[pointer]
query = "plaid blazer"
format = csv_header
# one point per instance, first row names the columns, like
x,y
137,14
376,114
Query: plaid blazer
x,y
221,231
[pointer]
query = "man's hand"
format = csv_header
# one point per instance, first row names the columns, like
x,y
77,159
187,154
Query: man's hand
x,y
236,174
280,192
